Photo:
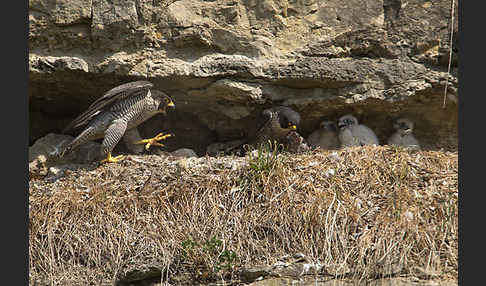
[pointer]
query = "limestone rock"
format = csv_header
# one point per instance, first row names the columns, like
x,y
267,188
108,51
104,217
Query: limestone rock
x,y
50,146
250,274
223,147
224,61
184,152
63,12
56,64
37,167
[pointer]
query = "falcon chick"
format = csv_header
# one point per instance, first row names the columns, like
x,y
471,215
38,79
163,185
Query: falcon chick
x,y
403,135
353,134
117,111
277,123
326,137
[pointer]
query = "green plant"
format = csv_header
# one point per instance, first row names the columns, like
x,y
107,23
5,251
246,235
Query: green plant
x,y
262,161
210,255
266,156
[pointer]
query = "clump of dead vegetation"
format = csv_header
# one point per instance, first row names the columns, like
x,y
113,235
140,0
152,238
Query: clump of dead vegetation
x,y
363,213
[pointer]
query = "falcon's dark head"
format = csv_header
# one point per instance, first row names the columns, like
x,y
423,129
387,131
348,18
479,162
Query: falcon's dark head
x,y
347,120
328,125
163,100
287,117
403,125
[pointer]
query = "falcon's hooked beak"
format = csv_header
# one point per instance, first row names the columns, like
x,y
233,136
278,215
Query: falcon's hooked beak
x,y
344,123
405,128
169,104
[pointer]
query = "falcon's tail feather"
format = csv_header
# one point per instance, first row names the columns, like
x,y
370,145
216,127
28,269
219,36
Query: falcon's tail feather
x,y
65,151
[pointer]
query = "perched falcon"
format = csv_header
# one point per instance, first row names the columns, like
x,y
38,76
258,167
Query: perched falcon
x,y
118,110
353,134
403,135
326,137
276,124
273,124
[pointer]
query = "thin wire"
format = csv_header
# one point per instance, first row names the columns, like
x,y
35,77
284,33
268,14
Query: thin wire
x,y
450,54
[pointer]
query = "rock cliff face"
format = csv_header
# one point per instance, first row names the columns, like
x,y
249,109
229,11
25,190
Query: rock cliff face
x,y
223,61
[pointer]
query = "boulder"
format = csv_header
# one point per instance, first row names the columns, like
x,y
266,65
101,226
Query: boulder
x,y
46,151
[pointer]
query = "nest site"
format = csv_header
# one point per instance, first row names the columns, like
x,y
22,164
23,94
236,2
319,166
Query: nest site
x,y
358,212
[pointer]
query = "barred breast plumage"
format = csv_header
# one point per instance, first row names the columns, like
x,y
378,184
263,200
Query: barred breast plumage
x,y
121,108
276,123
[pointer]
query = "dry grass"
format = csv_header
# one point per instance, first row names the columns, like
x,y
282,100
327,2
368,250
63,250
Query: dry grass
x,y
361,211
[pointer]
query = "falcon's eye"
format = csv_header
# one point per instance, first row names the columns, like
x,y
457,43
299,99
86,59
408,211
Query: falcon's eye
x,y
292,126
166,100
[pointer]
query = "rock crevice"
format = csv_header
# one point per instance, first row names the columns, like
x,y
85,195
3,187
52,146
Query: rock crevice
x,y
224,61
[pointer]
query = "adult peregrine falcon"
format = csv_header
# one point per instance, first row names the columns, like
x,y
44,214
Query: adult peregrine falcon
x,y
353,134
118,110
276,124
326,137
403,135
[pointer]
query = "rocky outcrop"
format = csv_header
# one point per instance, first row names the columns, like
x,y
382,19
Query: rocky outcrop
x,y
51,146
224,61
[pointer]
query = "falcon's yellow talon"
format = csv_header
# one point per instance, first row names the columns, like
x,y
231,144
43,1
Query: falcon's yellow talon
x,y
153,141
110,159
